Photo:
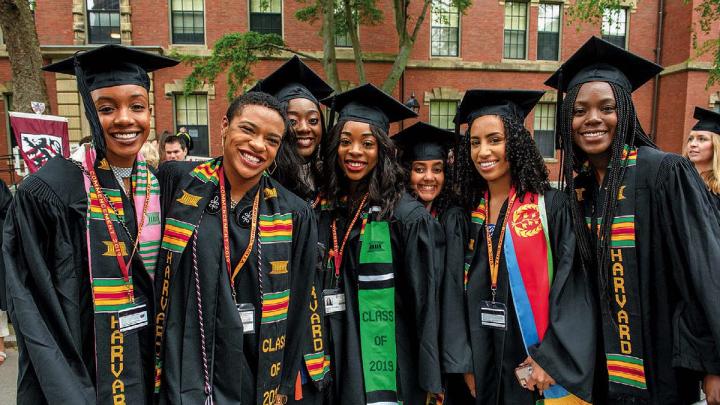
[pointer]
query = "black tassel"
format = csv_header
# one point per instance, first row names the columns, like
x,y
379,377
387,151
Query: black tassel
x,y
90,112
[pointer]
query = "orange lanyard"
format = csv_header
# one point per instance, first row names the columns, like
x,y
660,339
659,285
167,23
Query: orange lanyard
x,y
495,261
226,233
104,205
336,253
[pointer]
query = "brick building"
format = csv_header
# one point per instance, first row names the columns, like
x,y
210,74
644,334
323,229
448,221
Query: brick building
x,y
495,44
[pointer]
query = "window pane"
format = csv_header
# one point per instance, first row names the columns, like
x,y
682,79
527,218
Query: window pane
x,y
614,26
515,30
444,35
544,129
266,23
442,113
191,113
103,21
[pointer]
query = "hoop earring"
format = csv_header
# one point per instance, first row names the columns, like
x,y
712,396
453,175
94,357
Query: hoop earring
x,y
272,171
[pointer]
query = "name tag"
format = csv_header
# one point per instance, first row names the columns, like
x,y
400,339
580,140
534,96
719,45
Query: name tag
x,y
334,301
133,318
247,316
493,315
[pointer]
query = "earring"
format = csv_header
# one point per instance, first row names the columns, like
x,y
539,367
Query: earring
x,y
274,164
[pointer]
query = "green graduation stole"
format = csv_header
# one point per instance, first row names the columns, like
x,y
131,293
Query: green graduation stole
x,y
274,246
376,303
622,328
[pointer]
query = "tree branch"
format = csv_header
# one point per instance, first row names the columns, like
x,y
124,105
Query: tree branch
x,y
357,50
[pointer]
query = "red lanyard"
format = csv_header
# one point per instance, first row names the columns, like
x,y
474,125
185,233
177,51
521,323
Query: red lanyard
x,y
495,262
104,204
337,253
232,273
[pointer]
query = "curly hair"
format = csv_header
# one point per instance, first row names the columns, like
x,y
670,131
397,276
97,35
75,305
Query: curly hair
x,y
572,159
528,173
287,159
448,196
384,183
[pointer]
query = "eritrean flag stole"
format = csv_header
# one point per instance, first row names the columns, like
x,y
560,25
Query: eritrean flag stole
x,y
119,367
274,238
376,306
622,325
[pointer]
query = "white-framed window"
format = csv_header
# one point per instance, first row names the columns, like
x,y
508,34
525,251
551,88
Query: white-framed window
x,y
445,29
188,21
549,23
266,16
544,129
615,25
191,112
103,18
442,113
515,30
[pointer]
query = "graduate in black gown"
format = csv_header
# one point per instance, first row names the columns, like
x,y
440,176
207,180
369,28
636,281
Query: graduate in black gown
x,y
380,291
646,229
80,245
237,258
703,149
425,158
526,300
298,88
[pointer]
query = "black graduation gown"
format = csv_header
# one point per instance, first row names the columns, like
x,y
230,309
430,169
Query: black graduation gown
x,y
417,256
678,252
5,200
48,289
567,351
232,355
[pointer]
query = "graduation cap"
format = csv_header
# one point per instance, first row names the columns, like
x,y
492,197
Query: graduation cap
x,y
108,66
294,79
422,141
707,120
368,104
515,104
600,61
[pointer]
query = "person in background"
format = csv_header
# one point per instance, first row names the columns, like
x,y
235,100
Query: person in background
x,y
703,148
646,229
176,147
160,142
150,152
5,200
81,241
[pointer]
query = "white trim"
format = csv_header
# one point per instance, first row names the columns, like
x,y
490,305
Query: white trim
x,y
37,116
382,277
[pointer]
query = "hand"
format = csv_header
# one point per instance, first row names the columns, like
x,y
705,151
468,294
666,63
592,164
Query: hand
x,y
470,382
539,378
711,388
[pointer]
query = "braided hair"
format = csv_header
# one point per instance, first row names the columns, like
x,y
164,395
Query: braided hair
x,y
528,173
573,160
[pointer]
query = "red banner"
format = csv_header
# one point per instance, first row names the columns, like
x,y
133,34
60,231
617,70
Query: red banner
x,y
40,137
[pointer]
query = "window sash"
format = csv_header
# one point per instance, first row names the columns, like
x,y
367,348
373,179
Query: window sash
x,y
515,32
544,129
266,6
191,111
614,26
442,113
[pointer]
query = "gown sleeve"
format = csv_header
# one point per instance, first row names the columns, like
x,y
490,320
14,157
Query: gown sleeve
x,y
304,257
423,262
567,351
456,355
691,240
5,200
40,269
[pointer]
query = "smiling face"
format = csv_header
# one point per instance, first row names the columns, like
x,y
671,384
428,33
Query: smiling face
x,y
304,117
124,112
594,118
700,148
357,150
251,141
487,148
427,178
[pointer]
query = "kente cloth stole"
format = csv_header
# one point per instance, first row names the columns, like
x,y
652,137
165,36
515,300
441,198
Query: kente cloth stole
x,y
376,305
119,374
530,275
477,220
274,239
622,327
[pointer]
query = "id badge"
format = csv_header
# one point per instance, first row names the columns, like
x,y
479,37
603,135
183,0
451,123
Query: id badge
x,y
247,316
132,318
493,315
334,301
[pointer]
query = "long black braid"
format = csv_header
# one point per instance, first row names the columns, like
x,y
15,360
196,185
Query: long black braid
x,y
574,160
528,172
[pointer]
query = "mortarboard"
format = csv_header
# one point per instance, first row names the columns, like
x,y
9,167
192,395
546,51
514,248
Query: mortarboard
x,y
507,103
294,79
600,61
368,104
108,66
707,120
422,141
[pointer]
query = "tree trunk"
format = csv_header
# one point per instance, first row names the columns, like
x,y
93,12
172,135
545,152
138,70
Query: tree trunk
x,y
328,35
23,49
353,32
